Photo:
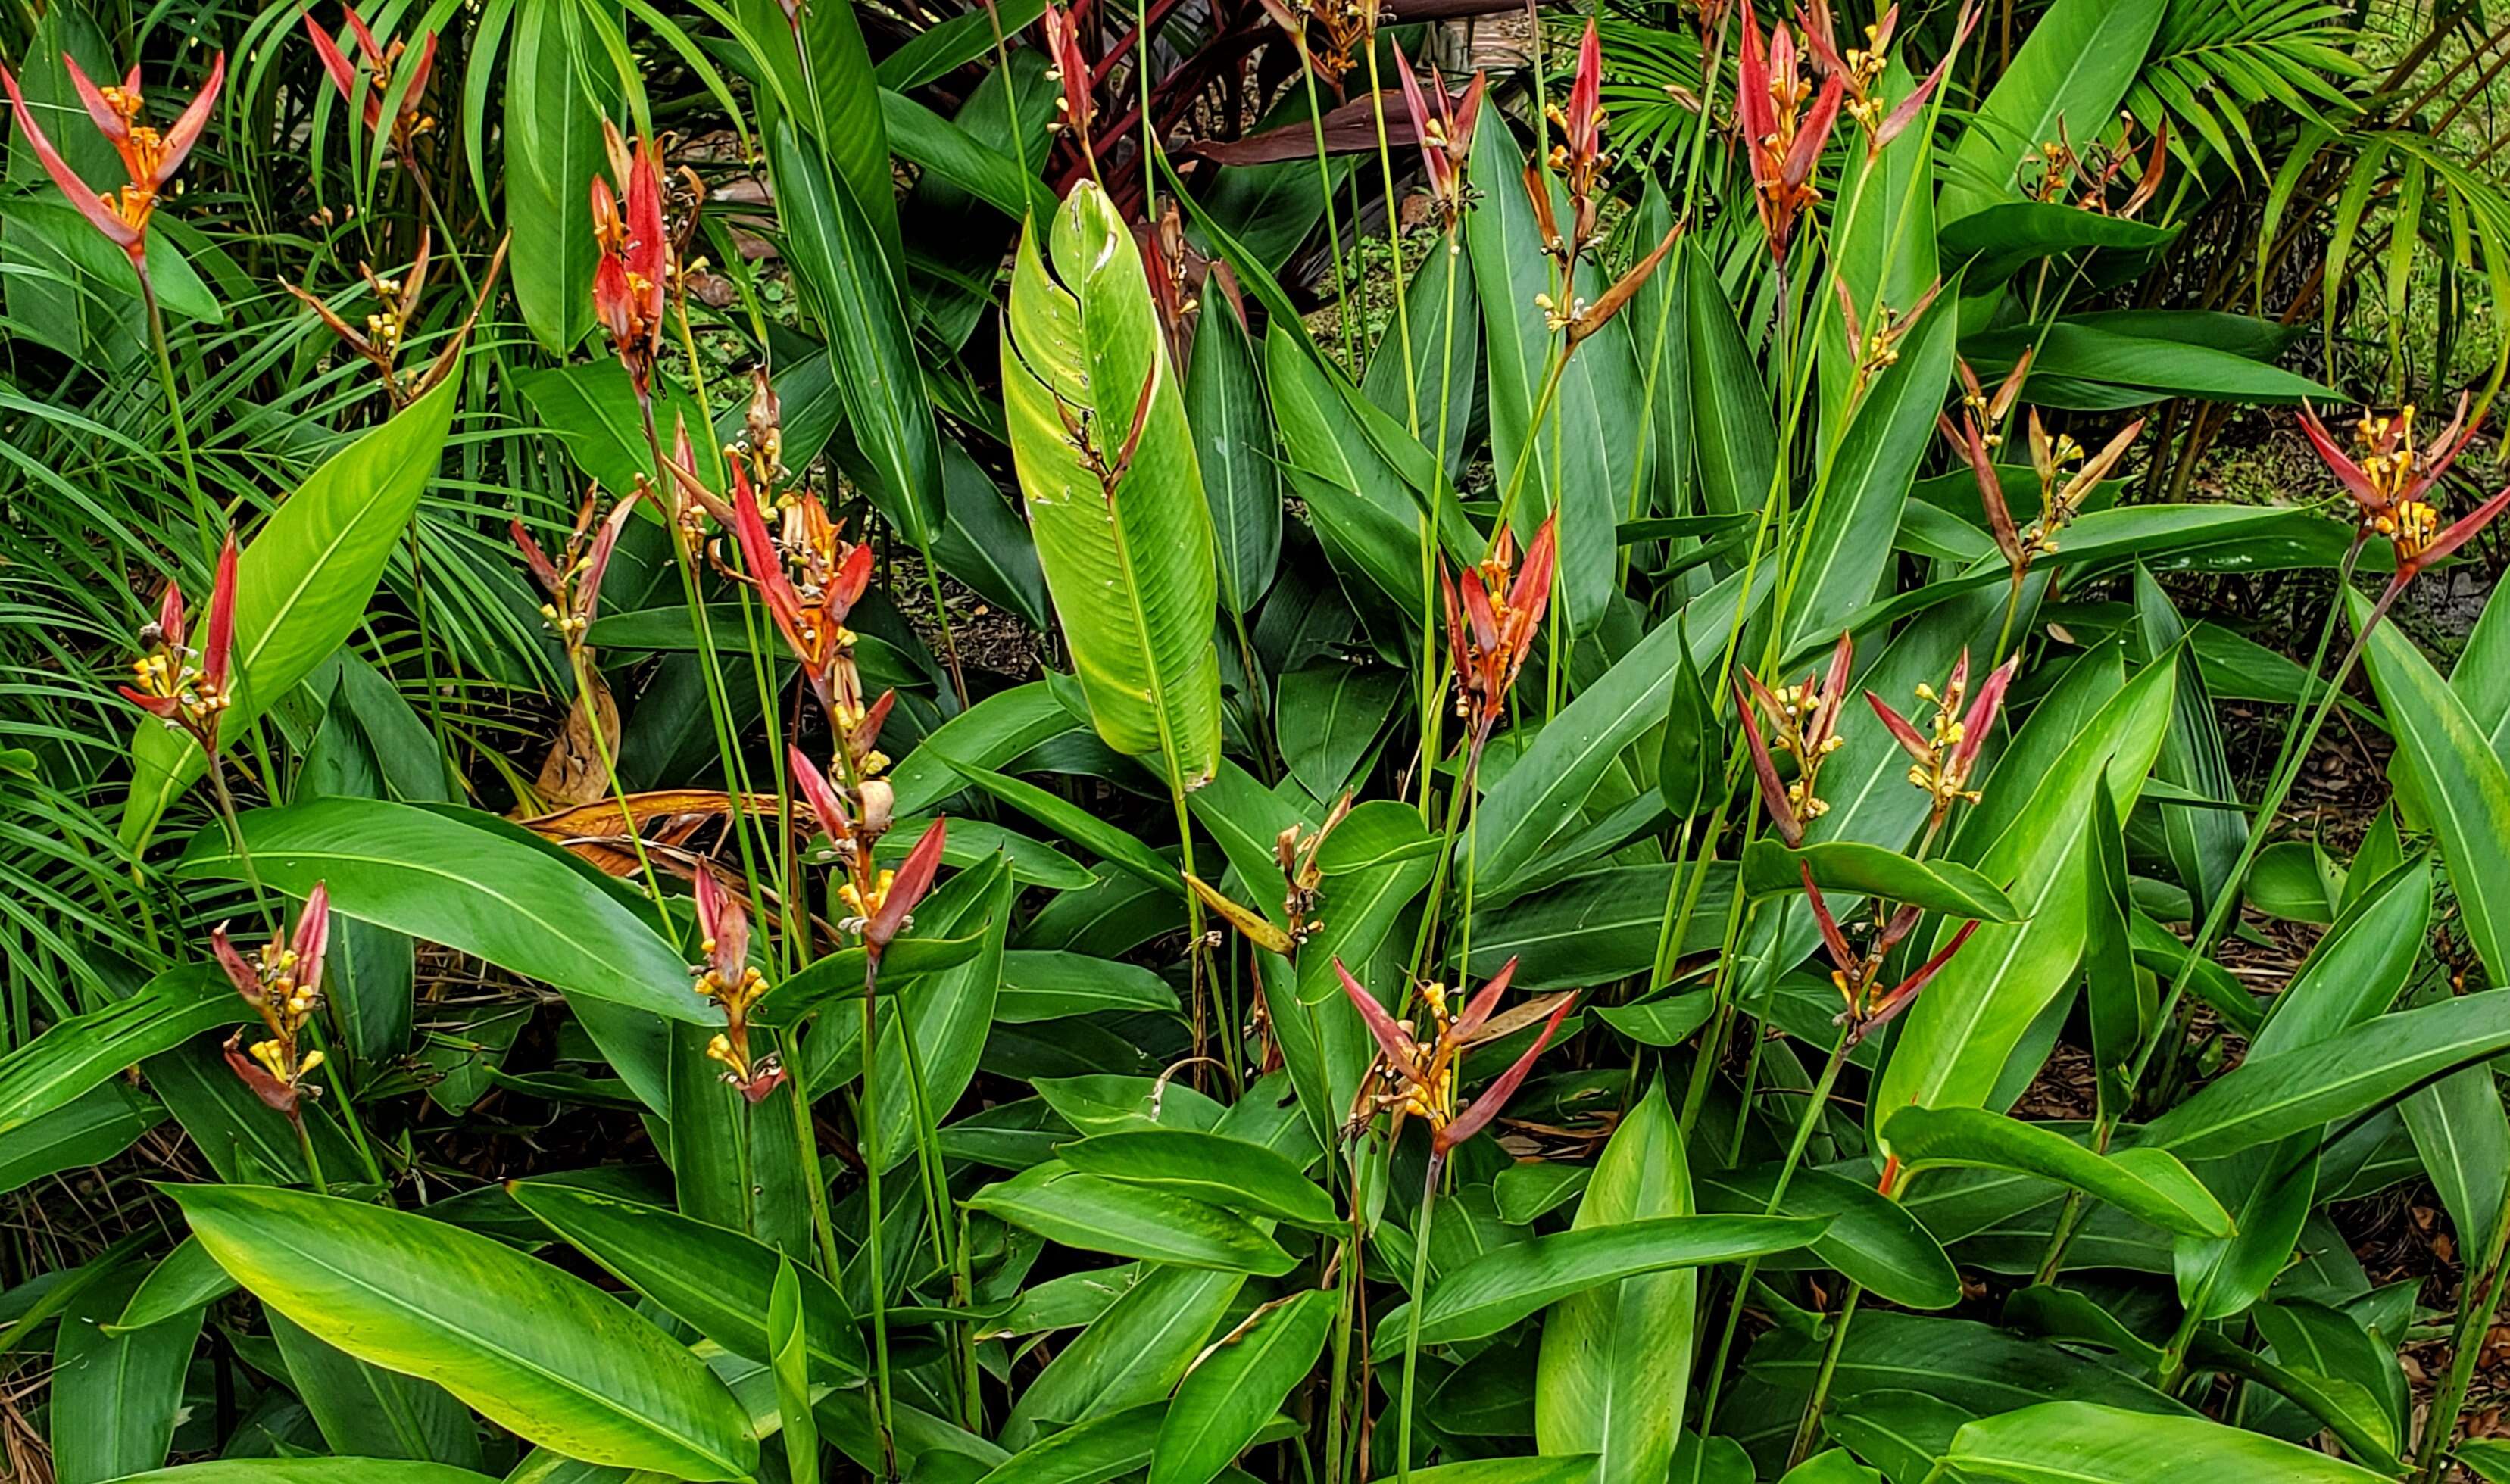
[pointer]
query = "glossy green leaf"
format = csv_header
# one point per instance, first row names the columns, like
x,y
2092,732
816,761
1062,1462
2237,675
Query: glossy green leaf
x,y
2149,1183
1210,1167
2075,1442
1098,1214
1049,985
302,583
847,282
115,1397
1076,824
1091,1451
1517,1470
1134,1352
309,1471
2076,64
1874,1240
1734,433
560,87
1851,867
1229,1395
1233,440
1489,1293
1123,530
73,1056
88,1129
366,1411
719,1283
788,1357
536,1350
1615,1363
2267,1097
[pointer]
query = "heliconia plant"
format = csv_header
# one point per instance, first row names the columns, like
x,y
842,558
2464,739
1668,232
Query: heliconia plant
x,y
1082,744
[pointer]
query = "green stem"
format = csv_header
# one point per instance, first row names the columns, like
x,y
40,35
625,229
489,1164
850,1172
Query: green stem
x,y
1333,230
313,1161
867,1138
2481,1296
1412,1338
1394,245
202,511
1838,1342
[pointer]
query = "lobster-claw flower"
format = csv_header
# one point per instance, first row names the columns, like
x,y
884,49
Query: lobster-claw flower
x,y
573,581
1857,976
283,982
630,281
1947,753
376,64
1492,617
1860,69
150,158
1804,721
2420,549
729,978
1477,1115
177,683
1077,108
812,616
887,908
1782,139
2387,478
1419,1077
1577,158
1446,137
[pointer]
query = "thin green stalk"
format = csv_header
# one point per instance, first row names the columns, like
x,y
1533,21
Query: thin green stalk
x,y
1333,230
1433,674
1813,1105
1412,1338
203,513
1395,244
867,1139
313,1161
1838,1342
2478,1297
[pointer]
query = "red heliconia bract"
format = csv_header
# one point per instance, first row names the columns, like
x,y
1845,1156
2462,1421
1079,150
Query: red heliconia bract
x,y
631,279
176,683
1782,139
283,982
1446,137
149,159
377,64
1490,627
1946,755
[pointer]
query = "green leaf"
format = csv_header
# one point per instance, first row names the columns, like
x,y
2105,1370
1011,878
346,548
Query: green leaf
x,y
1735,433
1123,530
1133,1353
2076,1442
1773,870
2488,1457
1519,1470
184,1278
789,1344
1091,1451
366,1411
2077,64
557,92
2148,1183
2070,353
1487,1294
309,1471
436,877
1666,1022
1954,1043
1873,1241
303,582
88,1129
75,1056
1547,785
988,734
1232,441
1615,1363
1049,985
1101,1215
115,1397
1229,1397
2000,240
535,1350
591,407
1338,713
1211,1168
2448,763
2267,1097
1076,824
717,1281
847,284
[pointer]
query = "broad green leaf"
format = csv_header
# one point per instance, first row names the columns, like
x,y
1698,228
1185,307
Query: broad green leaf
x,y
1955,1042
2357,967
309,1471
1615,1363
718,1282
302,583
2448,761
2271,1097
1733,431
1444,360
988,734
2488,1458
1998,240
2463,1136
1211,1168
536,1350
1232,1391
115,1397
2079,364
1773,870
1835,1466
560,86
1519,1470
1336,713
88,1129
1098,1214
591,407
2076,1442
950,1011
439,878
1489,1293
1133,1353
1847,544
75,1056
1547,786
184,1278
848,284
1875,1241
1233,440
1122,530
2076,65
1049,985
368,1411
1076,824
1102,1448
2148,1183
788,1356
